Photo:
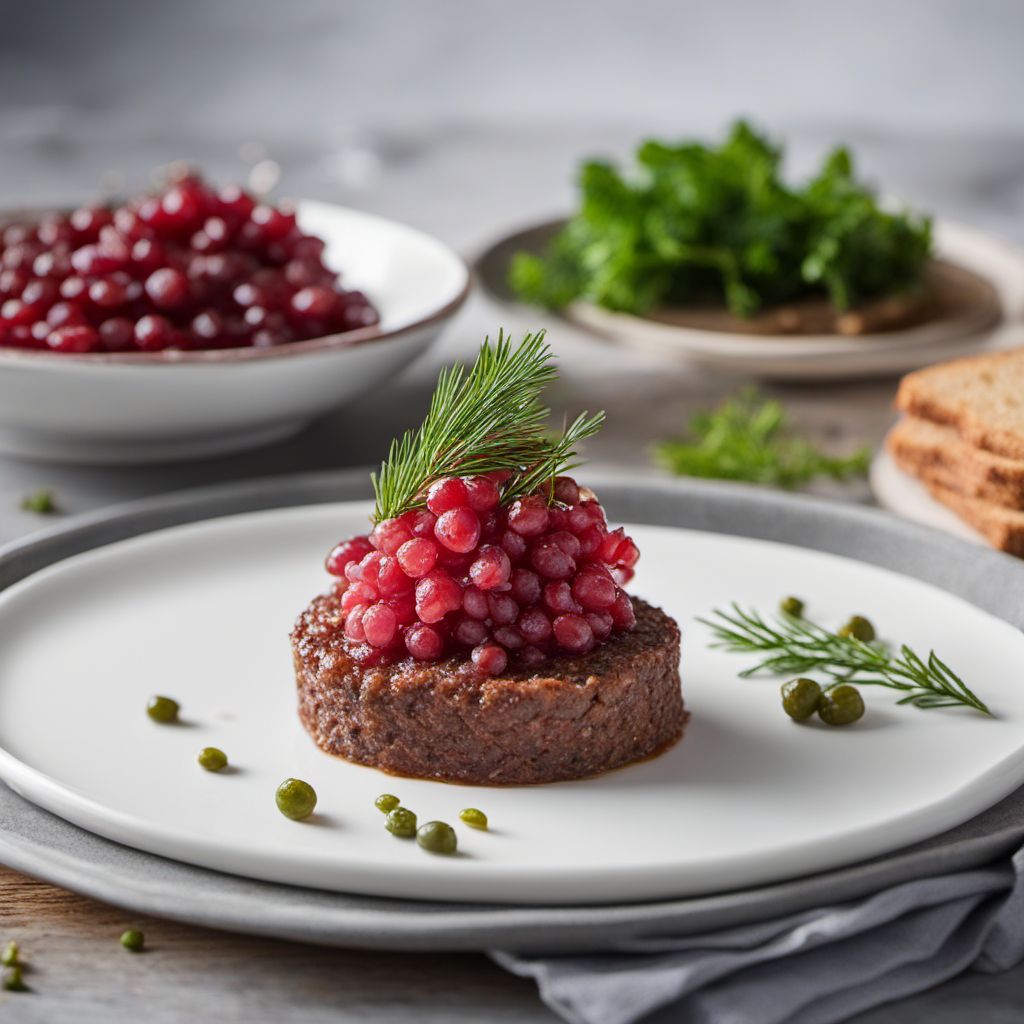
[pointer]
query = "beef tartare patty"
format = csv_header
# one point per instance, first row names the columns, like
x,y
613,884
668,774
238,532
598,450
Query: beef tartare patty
x,y
570,718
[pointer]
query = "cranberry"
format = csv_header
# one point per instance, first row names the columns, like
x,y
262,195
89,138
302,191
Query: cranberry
x,y
458,529
73,339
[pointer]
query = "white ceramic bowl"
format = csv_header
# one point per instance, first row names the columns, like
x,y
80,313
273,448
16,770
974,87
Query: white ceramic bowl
x,y
153,407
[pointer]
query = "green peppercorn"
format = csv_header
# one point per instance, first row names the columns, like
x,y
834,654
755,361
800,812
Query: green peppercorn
x,y
296,799
792,606
13,980
800,698
386,802
212,759
841,705
163,710
474,818
437,837
858,628
9,957
401,822
133,940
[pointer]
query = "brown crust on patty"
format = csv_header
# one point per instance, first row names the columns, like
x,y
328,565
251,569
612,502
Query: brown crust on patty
x,y
577,716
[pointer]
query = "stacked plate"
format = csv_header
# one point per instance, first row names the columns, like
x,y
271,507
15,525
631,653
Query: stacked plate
x,y
750,816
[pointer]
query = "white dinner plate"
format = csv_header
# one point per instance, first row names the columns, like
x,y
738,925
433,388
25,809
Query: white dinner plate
x,y
201,612
901,493
802,357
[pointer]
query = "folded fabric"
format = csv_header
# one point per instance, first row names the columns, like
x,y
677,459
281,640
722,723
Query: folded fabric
x,y
815,967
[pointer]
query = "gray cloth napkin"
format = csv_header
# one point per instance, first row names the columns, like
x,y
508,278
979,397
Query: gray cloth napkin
x,y
815,967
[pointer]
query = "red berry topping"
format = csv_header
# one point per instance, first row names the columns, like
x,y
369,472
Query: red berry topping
x,y
497,584
215,269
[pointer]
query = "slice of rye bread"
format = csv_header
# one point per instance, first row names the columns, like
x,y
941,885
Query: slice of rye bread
x,y
1002,527
981,396
936,453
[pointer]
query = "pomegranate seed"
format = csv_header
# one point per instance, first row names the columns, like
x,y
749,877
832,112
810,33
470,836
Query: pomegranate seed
x,y
379,625
153,333
107,293
447,494
368,569
167,288
422,522
207,327
550,560
566,491
65,314
601,623
16,312
354,623
491,569
513,544
628,554
558,597
353,550
73,287
474,601
436,595
490,659
391,581
509,637
502,609
573,633
116,334
567,541
470,632
590,541
87,221
424,643
610,546
482,495
273,224
235,202
526,587
593,591
390,534
534,625
417,557
73,339
314,303
531,657
528,516
622,612
404,607
458,529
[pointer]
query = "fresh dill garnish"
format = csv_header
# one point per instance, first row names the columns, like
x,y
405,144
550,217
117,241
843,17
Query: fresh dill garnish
x,y
749,438
484,419
792,646
41,502
700,223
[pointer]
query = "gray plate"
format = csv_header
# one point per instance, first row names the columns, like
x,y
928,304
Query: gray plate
x,y
40,844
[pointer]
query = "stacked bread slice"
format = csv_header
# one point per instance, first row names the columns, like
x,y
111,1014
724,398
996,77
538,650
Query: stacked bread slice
x,y
962,435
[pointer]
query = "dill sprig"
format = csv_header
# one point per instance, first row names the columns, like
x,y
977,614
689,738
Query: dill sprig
x,y
484,419
792,646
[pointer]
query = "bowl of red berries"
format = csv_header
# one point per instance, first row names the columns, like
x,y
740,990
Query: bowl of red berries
x,y
198,320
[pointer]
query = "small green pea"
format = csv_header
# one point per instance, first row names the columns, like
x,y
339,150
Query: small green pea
x,y
474,818
800,698
401,822
163,710
9,957
437,837
133,940
41,502
13,980
841,705
212,759
296,799
792,606
859,628
386,802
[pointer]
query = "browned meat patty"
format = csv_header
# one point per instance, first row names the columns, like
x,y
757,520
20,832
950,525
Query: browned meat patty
x,y
576,716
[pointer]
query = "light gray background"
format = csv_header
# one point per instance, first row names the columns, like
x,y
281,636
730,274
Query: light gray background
x,y
467,118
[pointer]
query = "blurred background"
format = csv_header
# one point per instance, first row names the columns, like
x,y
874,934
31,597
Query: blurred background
x,y
468,119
